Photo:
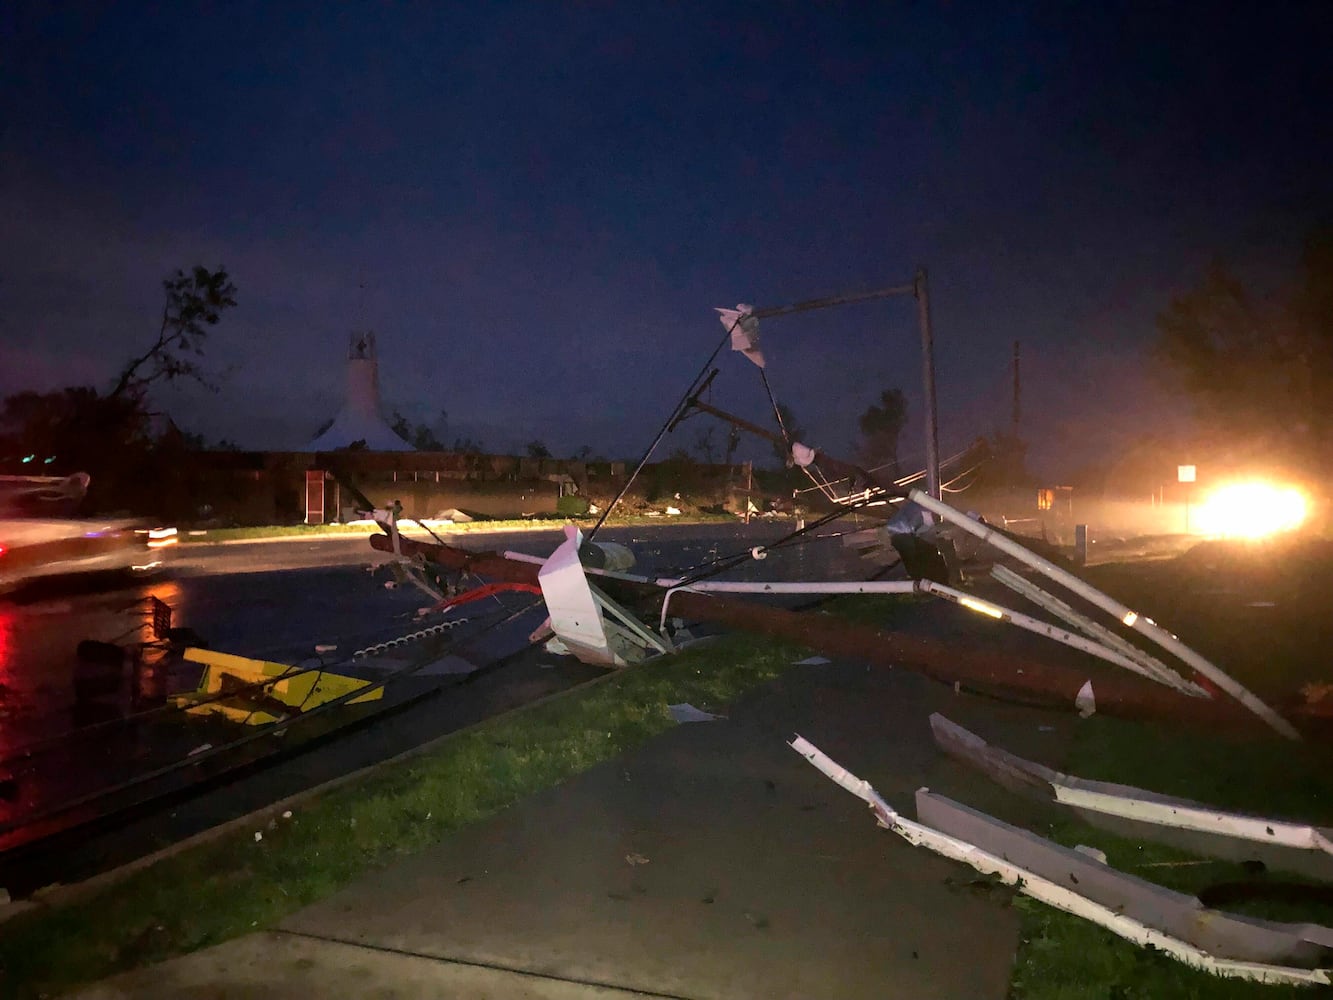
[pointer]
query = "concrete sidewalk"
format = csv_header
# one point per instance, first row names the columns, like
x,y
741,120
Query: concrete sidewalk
x,y
711,863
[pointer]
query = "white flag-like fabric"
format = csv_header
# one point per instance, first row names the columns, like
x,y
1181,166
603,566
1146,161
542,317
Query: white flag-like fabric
x,y
802,455
744,331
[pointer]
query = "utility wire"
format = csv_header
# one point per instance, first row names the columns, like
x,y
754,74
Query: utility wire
x,y
722,564
666,429
269,730
50,743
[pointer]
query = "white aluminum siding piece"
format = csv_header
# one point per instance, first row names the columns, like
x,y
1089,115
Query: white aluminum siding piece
x,y
1093,630
1049,892
1286,846
1188,816
1217,932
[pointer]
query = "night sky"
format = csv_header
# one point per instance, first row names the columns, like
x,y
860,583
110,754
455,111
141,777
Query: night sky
x,y
537,206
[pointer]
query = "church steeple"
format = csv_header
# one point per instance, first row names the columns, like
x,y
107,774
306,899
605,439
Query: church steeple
x,y
360,418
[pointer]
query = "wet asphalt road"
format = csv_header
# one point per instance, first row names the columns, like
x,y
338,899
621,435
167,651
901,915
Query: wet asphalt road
x,y
277,600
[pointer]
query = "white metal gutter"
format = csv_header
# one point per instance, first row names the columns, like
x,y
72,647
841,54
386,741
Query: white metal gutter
x,y
1048,891
1281,844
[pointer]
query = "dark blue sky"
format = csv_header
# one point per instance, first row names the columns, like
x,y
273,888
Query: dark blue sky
x,y
536,206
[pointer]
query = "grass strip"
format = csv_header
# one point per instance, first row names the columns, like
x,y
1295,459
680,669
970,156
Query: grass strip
x,y
238,883
1062,956
357,528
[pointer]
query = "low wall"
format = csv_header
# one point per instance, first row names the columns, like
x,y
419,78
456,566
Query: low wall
x,y
425,499
250,488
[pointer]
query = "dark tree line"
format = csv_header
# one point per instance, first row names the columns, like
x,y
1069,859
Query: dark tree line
x,y
1258,372
114,434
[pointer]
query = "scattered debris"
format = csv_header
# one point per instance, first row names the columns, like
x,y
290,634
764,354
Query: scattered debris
x,y
326,648
1304,942
1145,815
257,692
453,516
812,661
1184,917
1084,701
634,859
686,712
258,836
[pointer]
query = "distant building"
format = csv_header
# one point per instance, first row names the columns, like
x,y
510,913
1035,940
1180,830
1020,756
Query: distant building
x,y
360,421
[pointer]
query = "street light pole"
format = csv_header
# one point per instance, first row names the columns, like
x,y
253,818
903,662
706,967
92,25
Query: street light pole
x,y
928,377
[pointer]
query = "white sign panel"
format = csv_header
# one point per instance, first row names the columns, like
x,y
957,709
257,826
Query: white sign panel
x,y
1185,473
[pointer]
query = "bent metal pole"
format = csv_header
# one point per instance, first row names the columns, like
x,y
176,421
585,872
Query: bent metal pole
x,y
1127,615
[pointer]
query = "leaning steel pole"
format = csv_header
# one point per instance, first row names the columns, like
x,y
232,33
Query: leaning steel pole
x,y
928,377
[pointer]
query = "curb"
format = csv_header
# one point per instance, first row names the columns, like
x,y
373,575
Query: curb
x,y
54,896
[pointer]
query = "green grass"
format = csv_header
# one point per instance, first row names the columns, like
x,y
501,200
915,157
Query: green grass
x,y
236,884
1261,612
1262,618
1062,956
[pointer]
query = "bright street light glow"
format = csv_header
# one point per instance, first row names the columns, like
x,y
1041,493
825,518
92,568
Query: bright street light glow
x,y
1252,509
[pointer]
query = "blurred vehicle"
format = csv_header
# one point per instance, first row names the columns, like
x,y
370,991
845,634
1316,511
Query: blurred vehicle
x,y
39,537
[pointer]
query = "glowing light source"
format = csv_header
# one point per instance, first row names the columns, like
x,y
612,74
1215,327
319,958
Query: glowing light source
x,y
1130,618
1252,509
161,537
981,607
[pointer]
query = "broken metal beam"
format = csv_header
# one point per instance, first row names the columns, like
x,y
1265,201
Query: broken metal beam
x,y
1093,630
1281,845
991,672
1062,896
1217,932
1130,618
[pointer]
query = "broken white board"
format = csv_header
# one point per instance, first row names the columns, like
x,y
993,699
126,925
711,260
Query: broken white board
x,y
1216,932
575,617
1282,845
1060,896
685,712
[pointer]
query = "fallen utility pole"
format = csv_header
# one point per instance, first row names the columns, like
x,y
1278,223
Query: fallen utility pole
x,y
989,672
1129,617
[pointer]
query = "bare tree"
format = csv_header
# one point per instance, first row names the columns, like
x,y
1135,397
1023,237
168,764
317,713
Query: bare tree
x,y
194,302
881,424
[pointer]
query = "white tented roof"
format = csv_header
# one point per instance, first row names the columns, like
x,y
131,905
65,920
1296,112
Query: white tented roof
x,y
360,419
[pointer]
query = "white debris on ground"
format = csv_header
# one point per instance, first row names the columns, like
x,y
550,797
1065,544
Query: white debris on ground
x,y
685,712
1084,701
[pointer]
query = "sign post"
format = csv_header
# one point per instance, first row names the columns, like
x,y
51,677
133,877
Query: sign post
x,y
1187,474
